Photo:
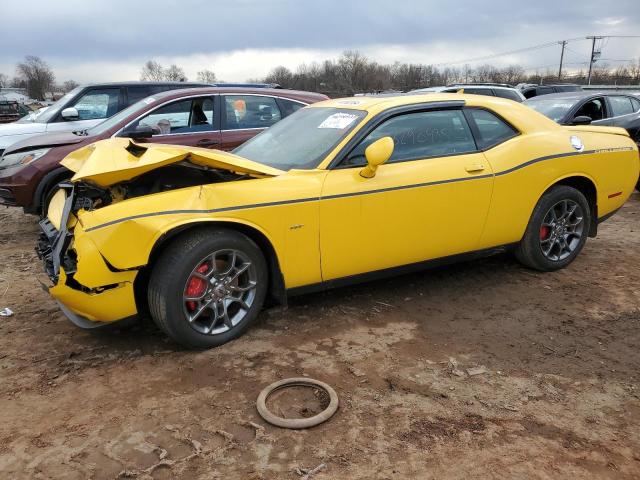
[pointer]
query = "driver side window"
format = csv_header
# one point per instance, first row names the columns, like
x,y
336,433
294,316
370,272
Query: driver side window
x,y
183,116
593,109
419,135
97,104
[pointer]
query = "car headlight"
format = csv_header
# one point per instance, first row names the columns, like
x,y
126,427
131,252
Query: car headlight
x,y
22,158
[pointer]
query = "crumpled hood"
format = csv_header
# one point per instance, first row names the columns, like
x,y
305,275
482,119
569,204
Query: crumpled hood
x,y
116,160
46,140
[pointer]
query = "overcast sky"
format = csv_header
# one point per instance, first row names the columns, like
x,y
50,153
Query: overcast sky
x,y
240,39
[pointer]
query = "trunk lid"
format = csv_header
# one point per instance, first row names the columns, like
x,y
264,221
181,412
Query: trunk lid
x,y
116,160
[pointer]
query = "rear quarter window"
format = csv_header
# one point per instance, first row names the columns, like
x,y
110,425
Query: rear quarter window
x,y
510,94
287,107
491,129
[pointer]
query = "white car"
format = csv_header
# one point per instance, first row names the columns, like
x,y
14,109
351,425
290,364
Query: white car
x,y
492,90
82,108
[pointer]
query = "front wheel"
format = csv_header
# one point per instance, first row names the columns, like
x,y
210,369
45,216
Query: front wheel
x,y
557,230
208,287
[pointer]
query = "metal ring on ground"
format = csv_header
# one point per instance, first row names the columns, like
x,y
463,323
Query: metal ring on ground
x,y
297,423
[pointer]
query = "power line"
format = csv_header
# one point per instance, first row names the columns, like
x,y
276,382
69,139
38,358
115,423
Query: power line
x,y
528,49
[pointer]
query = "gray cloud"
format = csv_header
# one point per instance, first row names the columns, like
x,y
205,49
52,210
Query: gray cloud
x,y
80,32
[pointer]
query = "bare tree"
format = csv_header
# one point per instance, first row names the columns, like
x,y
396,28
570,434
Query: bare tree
x,y
4,80
280,75
152,71
206,76
36,75
175,74
69,85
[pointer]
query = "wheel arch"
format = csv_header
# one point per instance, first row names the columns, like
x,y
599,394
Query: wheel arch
x,y
276,293
50,179
587,187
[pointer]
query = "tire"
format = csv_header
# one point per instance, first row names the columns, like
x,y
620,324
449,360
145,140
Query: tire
x,y
543,233
47,194
187,267
45,200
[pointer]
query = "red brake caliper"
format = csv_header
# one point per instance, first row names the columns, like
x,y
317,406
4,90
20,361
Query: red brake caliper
x,y
544,232
196,286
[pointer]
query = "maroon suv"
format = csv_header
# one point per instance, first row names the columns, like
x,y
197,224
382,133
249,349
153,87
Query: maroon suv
x,y
211,117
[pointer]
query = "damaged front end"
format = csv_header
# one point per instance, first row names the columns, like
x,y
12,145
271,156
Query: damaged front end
x,y
91,290
88,290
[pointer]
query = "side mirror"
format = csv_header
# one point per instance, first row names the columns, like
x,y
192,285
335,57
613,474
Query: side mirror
x,y
376,154
139,133
70,113
581,120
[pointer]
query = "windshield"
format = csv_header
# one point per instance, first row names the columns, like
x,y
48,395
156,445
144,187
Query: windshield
x,y
118,117
52,110
554,108
301,140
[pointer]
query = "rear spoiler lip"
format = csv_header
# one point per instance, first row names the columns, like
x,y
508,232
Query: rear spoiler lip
x,y
598,129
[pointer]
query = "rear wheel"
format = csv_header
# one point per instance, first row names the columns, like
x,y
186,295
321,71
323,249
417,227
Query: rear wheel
x,y
208,287
557,230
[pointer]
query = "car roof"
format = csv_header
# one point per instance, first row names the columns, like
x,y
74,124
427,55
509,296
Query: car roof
x,y
141,83
480,85
382,102
274,92
574,95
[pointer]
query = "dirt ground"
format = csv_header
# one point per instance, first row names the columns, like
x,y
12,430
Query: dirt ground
x,y
558,396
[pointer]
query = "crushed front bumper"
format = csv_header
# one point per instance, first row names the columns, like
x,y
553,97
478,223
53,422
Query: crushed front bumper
x,y
90,292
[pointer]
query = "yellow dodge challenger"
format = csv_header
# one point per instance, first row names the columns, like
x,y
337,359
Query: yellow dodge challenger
x,y
341,191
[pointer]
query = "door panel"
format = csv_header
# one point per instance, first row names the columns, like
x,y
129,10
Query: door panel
x,y
233,138
197,139
421,210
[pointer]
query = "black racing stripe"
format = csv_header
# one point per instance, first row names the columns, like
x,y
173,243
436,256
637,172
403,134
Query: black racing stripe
x,y
404,187
542,159
212,210
355,194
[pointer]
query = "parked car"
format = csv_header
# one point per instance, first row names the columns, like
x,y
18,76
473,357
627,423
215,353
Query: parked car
x,y
247,85
209,117
591,108
10,111
492,90
341,191
84,107
531,90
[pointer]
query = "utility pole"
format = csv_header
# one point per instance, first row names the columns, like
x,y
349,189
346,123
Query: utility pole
x,y
593,56
564,44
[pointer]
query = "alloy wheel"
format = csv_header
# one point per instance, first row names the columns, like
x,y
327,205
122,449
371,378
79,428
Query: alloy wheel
x,y
219,291
561,230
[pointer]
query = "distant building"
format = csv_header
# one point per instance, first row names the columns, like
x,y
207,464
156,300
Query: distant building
x,y
14,94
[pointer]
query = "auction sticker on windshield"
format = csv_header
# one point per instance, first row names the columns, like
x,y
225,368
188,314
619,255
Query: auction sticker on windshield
x,y
338,121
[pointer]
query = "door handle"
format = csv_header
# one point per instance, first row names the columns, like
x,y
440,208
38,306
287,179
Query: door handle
x,y
476,167
207,143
